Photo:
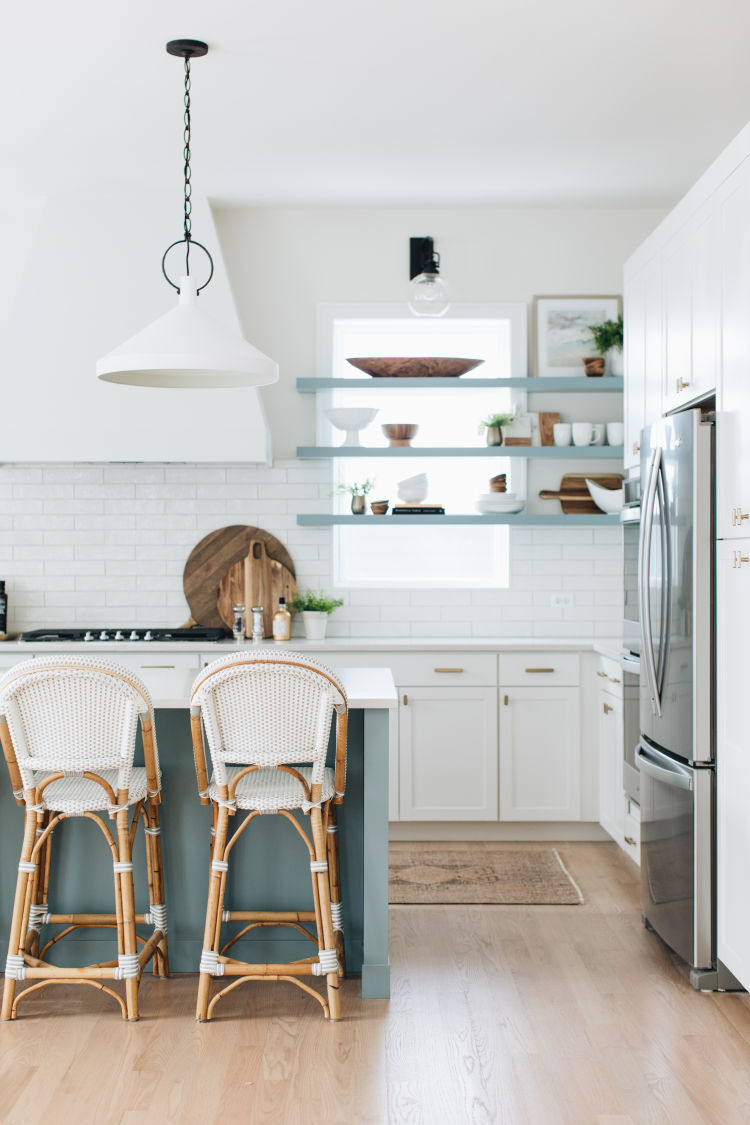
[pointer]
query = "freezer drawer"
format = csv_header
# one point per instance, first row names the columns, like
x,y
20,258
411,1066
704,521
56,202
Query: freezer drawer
x,y
677,886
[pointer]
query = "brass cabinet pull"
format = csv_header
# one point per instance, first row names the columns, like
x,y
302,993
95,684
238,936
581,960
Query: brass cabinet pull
x,y
448,669
681,385
406,699
505,701
157,665
539,669
739,559
738,516
613,680
636,447
630,840
607,708
602,674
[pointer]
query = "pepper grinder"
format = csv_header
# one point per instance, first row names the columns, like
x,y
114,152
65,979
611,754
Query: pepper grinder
x,y
258,626
238,629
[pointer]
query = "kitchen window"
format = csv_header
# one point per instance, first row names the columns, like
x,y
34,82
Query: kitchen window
x,y
429,556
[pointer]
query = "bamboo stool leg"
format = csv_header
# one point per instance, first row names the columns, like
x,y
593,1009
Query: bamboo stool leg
x,y
156,882
15,944
329,942
334,878
125,875
214,908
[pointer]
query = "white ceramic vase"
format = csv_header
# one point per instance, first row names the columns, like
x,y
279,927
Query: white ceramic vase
x,y
614,364
315,622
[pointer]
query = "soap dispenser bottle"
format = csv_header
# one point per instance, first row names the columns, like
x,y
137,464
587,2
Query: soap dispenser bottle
x,y
282,622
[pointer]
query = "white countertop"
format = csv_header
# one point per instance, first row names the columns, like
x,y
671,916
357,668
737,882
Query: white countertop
x,y
368,687
333,645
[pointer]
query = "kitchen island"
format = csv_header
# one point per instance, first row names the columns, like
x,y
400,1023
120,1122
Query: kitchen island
x,y
269,870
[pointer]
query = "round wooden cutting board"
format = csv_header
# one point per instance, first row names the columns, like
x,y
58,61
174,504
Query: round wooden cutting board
x,y
209,561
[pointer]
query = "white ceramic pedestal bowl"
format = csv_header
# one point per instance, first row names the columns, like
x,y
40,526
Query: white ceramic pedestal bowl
x,y
413,490
352,419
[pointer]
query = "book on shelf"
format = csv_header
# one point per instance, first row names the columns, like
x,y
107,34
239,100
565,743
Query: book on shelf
x,y
418,510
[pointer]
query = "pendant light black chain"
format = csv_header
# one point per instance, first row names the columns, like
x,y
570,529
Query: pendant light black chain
x,y
186,154
188,201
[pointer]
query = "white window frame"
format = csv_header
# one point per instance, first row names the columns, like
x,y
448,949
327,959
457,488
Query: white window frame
x,y
515,312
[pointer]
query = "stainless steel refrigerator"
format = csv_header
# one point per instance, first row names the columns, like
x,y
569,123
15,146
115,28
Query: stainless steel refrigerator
x,y
676,751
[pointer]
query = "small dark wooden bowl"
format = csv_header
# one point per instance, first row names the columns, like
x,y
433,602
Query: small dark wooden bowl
x,y
594,365
379,507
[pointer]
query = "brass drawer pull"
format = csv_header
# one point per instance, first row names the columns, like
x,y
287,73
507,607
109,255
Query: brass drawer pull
x,y
631,841
739,558
448,669
406,700
539,669
738,516
636,447
681,385
157,665
505,701
602,674
613,680
607,708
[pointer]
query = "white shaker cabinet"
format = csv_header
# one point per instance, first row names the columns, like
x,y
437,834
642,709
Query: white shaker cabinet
x,y
611,746
644,355
448,753
733,756
540,753
733,398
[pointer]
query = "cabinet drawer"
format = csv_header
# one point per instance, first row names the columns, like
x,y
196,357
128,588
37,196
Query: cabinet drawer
x,y
524,669
609,676
424,669
167,675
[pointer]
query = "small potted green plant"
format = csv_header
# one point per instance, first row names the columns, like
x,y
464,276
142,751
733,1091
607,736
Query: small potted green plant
x,y
357,493
315,607
493,426
607,338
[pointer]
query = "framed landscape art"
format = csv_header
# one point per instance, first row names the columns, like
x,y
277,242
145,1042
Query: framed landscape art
x,y
561,331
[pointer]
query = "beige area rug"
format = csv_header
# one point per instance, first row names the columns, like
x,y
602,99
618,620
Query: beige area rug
x,y
479,873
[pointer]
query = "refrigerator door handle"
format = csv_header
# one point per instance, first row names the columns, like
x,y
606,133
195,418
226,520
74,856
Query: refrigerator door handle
x,y
662,768
644,576
666,579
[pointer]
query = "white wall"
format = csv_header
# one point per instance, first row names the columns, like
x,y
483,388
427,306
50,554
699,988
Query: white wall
x,y
105,544
282,262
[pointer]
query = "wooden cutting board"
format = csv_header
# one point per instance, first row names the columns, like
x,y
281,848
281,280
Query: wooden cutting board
x,y
209,561
574,496
255,580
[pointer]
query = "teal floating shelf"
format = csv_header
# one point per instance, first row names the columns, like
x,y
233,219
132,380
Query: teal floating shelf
x,y
522,519
543,452
574,384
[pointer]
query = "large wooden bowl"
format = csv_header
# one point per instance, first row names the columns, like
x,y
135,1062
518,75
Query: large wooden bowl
x,y
400,433
405,368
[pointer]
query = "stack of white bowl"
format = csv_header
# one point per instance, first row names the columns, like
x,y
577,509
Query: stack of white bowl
x,y
499,503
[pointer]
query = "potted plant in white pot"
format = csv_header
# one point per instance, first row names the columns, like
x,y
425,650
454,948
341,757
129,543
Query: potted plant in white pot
x,y
608,342
315,607
493,426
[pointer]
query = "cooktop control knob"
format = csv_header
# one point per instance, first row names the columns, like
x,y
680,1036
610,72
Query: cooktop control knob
x,y
119,635
88,636
104,635
148,635
134,636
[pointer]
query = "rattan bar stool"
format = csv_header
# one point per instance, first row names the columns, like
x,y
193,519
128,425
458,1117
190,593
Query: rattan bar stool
x,y
267,720
68,730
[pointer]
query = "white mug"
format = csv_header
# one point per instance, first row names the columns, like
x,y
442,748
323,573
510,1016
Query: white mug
x,y
561,433
615,433
599,431
583,433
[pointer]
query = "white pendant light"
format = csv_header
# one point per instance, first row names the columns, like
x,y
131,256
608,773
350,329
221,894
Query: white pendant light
x,y
187,347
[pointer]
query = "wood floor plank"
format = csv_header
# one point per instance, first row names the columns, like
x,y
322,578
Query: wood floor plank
x,y
499,1014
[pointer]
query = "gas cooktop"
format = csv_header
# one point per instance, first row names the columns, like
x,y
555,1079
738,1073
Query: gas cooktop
x,y
194,633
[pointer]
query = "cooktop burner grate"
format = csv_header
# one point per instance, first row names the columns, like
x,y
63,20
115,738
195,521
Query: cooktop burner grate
x,y
194,633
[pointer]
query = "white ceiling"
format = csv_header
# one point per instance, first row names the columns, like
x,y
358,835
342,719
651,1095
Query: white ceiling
x,y
508,102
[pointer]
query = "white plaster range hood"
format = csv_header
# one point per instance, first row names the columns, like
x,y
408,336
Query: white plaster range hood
x,y
83,274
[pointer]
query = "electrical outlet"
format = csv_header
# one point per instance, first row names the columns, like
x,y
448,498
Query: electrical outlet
x,y
561,601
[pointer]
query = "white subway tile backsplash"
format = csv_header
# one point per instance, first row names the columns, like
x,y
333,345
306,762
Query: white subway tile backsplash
x,y
101,544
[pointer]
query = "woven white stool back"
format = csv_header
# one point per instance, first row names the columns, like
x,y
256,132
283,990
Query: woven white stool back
x,y
268,709
73,714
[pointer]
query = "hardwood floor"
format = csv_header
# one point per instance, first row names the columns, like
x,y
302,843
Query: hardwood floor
x,y
545,1015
